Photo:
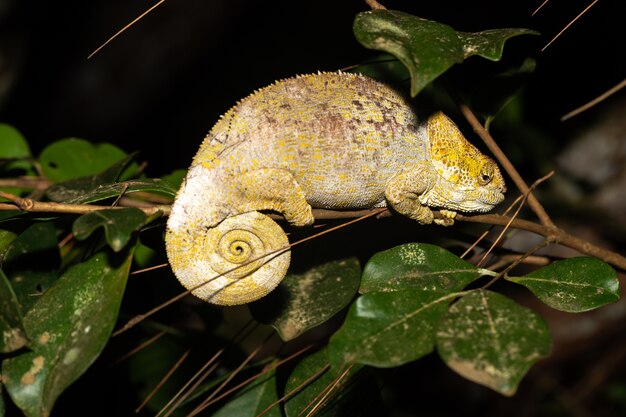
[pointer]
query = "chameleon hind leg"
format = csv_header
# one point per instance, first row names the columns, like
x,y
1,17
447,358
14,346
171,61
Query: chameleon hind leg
x,y
273,189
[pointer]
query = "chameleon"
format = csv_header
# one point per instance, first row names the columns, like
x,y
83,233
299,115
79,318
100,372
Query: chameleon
x,y
330,140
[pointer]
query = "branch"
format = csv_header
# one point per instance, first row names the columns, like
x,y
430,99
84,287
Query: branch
x,y
374,5
534,204
33,206
555,234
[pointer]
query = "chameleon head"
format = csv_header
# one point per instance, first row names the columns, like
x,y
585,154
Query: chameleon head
x,y
466,179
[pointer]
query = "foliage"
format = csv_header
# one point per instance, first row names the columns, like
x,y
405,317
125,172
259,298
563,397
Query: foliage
x,y
60,301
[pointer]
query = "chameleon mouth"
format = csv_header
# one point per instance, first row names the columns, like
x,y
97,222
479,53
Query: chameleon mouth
x,y
490,199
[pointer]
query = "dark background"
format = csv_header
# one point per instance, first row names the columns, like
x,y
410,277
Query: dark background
x,y
160,87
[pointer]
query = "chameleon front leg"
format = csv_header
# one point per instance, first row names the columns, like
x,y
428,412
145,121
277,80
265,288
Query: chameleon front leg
x,y
273,189
402,193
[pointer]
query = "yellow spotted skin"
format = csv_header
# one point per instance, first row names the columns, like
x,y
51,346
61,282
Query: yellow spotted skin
x,y
326,140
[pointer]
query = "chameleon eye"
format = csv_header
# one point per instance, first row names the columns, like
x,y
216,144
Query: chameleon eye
x,y
486,175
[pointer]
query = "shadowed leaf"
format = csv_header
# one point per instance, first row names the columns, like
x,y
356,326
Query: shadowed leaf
x,y
253,399
388,329
304,300
489,339
118,225
69,326
12,333
354,394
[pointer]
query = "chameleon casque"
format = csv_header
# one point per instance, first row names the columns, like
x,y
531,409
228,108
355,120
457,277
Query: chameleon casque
x,y
327,140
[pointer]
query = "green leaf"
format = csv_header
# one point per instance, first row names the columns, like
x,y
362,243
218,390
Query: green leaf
x,y
253,399
118,225
75,188
32,263
573,285
69,325
14,156
12,333
353,394
489,339
489,43
6,239
75,195
427,48
175,178
389,329
417,266
489,96
307,299
74,158
13,146
89,193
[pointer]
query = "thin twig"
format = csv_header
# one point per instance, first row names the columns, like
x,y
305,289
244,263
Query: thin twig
x,y
374,5
514,216
505,260
595,101
534,204
295,390
139,348
163,380
540,7
329,390
119,32
179,397
568,25
31,183
204,404
486,232
258,375
150,268
519,260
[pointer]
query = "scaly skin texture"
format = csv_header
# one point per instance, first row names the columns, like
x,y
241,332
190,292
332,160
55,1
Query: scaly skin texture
x,y
329,140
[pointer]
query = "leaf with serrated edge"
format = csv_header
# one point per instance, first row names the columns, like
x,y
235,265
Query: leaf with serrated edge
x,y
417,266
305,300
118,224
489,339
389,329
573,285
69,326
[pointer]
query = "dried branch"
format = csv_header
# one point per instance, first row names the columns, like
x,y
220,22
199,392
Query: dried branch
x,y
374,5
557,235
33,206
534,204
595,101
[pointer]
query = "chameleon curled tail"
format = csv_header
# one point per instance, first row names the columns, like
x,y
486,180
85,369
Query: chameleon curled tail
x,y
239,261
